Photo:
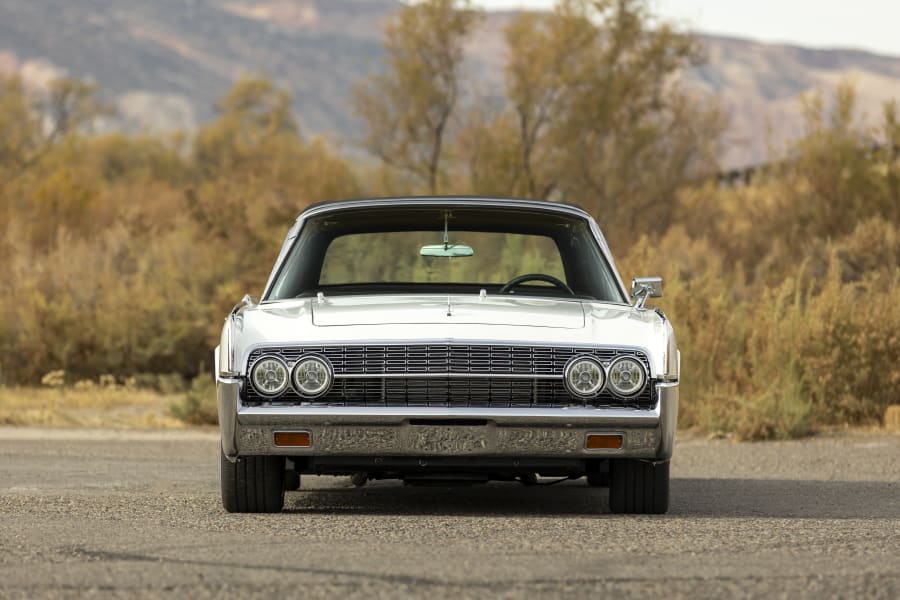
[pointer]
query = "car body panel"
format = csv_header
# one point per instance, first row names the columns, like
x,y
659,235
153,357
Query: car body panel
x,y
447,309
292,322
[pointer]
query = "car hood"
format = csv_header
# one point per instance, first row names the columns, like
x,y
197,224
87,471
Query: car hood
x,y
463,310
423,318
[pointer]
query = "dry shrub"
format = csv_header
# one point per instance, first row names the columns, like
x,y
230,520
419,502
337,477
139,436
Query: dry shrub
x,y
771,361
851,349
701,302
85,406
784,292
113,303
120,255
892,418
773,404
198,406
871,251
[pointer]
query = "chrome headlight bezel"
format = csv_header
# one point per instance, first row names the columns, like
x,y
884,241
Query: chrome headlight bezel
x,y
570,369
258,364
327,370
641,369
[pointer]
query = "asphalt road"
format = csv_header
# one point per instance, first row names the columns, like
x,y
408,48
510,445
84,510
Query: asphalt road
x,y
112,514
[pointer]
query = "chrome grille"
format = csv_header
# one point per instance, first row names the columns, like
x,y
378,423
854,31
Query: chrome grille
x,y
464,375
448,358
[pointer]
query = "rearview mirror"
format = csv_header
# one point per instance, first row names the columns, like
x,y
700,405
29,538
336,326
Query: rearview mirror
x,y
447,250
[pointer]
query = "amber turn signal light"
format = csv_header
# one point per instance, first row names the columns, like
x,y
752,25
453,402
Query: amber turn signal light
x,y
604,441
292,438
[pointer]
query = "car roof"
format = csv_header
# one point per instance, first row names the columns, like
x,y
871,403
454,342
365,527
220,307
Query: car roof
x,y
440,201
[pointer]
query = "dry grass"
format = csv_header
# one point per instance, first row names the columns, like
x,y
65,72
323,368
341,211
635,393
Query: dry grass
x,y
116,407
892,418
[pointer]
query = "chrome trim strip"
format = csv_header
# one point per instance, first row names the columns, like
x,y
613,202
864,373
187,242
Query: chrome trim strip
x,y
667,406
607,254
414,375
443,342
228,404
626,417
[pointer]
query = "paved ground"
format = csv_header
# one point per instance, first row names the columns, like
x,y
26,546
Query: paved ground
x,y
110,514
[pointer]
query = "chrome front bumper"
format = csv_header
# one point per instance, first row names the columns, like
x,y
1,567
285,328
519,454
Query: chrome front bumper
x,y
427,431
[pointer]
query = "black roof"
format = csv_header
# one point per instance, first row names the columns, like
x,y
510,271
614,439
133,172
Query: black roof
x,y
446,200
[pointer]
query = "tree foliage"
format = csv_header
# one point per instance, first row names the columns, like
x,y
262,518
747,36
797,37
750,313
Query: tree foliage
x,y
71,104
254,123
600,114
121,253
20,127
407,109
595,109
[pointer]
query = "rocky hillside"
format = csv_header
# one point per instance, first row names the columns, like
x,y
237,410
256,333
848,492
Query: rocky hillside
x,y
164,63
762,86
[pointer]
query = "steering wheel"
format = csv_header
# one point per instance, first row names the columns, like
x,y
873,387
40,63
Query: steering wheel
x,y
516,281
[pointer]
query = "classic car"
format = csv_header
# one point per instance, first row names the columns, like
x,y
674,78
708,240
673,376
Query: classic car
x,y
447,341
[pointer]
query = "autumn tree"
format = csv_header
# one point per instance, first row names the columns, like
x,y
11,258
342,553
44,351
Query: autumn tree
x,y
257,170
547,57
253,116
72,104
20,126
839,173
597,114
488,156
407,108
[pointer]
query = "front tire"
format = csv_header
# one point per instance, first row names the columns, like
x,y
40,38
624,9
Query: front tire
x,y
638,487
253,484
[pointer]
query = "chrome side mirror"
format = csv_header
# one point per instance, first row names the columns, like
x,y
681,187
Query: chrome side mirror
x,y
645,287
249,301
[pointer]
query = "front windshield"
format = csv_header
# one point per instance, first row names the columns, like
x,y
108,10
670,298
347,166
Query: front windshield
x,y
410,250
396,257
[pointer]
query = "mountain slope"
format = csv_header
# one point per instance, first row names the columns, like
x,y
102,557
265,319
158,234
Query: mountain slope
x,y
165,62
762,86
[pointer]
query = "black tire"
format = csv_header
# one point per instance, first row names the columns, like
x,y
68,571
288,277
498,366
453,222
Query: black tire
x,y
598,479
638,487
291,480
253,484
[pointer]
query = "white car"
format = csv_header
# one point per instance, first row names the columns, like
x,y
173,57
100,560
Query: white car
x,y
451,340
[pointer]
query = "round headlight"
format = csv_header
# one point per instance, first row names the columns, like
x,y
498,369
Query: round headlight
x,y
584,376
312,376
627,376
269,376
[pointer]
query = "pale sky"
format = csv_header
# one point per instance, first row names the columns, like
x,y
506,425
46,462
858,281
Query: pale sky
x,y
872,25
